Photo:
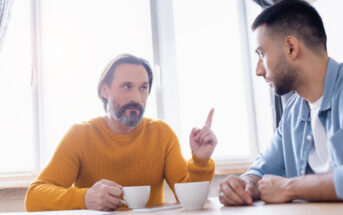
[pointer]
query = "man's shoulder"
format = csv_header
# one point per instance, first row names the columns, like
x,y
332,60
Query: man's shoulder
x,y
86,125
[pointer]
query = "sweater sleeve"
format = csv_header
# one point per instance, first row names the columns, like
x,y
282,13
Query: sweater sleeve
x,y
53,189
177,170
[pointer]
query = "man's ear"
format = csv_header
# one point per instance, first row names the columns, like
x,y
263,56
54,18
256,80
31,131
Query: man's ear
x,y
105,91
292,47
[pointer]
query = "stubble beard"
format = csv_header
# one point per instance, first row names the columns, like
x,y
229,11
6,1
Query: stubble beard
x,y
286,77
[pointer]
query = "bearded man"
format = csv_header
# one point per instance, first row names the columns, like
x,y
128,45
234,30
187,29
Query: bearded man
x,y
96,158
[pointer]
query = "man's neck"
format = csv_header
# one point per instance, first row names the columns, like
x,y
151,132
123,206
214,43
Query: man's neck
x,y
116,126
312,77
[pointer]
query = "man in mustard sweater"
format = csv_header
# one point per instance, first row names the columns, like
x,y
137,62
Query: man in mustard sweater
x,y
96,158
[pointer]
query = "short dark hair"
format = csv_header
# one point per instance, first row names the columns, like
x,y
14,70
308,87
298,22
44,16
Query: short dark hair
x,y
295,17
108,74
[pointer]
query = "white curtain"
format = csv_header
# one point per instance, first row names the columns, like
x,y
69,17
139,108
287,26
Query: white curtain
x,y
5,13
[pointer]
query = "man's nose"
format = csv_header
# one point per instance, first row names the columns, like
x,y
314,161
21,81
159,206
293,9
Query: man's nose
x,y
135,96
260,70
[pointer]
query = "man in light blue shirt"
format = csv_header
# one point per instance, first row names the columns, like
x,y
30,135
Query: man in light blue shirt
x,y
305,157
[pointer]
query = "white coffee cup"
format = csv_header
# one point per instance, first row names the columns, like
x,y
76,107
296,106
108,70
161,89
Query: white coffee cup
x,y
192,195
136,196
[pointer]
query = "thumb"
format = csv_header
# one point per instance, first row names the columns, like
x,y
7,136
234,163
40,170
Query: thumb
x,y
249,187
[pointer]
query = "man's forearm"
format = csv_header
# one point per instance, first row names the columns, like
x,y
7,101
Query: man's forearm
x,y
316,187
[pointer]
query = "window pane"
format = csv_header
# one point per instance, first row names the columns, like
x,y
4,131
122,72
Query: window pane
x,y
16,136
264,105
78,39
211,75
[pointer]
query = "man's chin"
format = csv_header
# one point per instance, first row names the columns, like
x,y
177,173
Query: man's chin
x,y
281,92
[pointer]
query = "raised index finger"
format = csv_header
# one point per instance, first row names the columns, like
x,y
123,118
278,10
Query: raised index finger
x,y
209,118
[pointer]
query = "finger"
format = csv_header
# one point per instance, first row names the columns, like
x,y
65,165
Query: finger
x,y
262,181
224,193
197,137
246,191
110,183
106,209
260,187
225,200
202,132
113,202
249,188
238,187
262,191
208,138
114,191
195,131
109,206
209,118
105,205
231,194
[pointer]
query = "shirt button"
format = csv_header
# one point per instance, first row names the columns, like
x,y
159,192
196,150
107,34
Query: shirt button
x,y
309,137
302,172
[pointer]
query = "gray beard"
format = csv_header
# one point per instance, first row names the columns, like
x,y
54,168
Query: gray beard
x,y
132,120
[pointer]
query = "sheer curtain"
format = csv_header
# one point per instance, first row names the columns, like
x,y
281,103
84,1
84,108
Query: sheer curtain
x,y
5,14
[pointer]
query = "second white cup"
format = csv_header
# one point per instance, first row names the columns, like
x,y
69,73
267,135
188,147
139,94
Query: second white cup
x,y
192,195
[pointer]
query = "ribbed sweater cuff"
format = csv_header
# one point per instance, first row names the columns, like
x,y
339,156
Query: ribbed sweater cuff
x,y
80,198
202,162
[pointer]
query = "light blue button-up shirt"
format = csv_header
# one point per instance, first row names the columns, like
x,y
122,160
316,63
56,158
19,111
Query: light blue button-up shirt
x,y
288,152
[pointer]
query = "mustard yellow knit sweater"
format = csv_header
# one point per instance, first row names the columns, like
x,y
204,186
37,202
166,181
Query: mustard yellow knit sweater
x,y
90,152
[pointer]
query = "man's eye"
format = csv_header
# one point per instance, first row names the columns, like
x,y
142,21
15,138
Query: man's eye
x,y
144,88
126,86
260,53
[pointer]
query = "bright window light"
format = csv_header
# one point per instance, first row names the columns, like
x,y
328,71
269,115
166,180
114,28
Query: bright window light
x,y
210,73
78,39
16,127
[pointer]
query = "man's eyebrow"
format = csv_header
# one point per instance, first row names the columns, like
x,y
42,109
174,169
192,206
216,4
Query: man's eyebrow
x,y
145,83
126,82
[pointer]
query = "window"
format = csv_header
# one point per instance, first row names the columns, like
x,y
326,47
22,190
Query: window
x,y
76,39
263,96
211,74
16,127
75,48
200,61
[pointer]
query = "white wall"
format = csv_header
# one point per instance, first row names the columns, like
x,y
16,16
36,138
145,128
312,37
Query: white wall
x,y
331,12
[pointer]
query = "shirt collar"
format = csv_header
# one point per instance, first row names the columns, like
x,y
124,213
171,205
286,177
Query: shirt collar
x,y
330,80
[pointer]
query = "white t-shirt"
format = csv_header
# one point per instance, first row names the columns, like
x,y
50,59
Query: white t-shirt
x,y
319,156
